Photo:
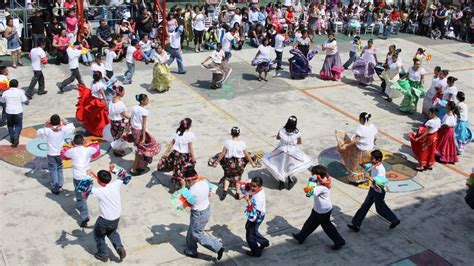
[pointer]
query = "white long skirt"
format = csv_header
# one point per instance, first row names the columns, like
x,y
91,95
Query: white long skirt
x,y
283,164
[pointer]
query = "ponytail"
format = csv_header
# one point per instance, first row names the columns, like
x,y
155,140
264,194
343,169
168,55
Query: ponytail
x,y
364,117
140,97
453,107
183,126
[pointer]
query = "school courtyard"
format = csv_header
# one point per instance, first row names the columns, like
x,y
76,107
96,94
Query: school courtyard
x,y
40,228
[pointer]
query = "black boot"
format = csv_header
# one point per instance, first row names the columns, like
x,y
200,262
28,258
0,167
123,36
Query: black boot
x,y
281,185
224,194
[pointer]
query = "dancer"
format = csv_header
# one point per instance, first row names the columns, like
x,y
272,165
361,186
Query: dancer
x,y
462,131
303,43
162,77
321,212
55,131
425,141
391,75
431,92
117,115
255,211
130,59
384,71
354,52
110,209
73,53
175,49
80,155
180,152
356,150
332,68
376,194
200,215
446,148
110,56
263,60
451,91
38,59
219,67
287,159
411,87
91,107
300,67
146,145
363,67
14,98
233,158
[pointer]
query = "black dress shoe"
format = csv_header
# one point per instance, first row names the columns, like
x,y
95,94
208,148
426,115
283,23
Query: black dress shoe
x,y
354,228
265,245
122,253
223,195
220,253
281,185
338,246
84,223
297,239
251,254
394,224
100,257
42,92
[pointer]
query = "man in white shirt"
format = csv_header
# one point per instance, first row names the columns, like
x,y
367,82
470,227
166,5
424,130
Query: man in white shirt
x,y
110,56
37,56
73,54
175,49
130,60
81,159
200,214
226,41
321,213
110,208
55,131
14,99
279,46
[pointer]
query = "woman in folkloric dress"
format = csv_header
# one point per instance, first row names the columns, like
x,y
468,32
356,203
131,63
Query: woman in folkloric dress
x,y
287,159
162,77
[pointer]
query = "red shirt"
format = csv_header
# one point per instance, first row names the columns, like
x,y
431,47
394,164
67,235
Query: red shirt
x,y
395,16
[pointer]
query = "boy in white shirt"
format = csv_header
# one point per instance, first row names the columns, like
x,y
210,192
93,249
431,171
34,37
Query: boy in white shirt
x,y
4,85
14,98
200,214
110,208
279,46
81,159
129,58
55,131
376,194
38,59
110,56
321,213
73,54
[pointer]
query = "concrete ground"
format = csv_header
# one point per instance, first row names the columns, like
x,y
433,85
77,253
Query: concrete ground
x,y
40,228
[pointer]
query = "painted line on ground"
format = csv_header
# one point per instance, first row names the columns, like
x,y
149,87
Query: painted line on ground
x,y
337,109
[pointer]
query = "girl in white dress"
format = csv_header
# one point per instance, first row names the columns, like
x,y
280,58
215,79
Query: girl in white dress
x,y
431,92
287,159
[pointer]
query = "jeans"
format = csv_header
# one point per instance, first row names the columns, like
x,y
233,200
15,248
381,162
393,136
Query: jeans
x,y
387,31
55,166
197,235
253,237
109,74
75,74
352,58
228,55
38,77
36,37
148,55
278,59
254,42
3,119
14,125
80,202
380,206
316,219
175,54
87,58
107,228
127,77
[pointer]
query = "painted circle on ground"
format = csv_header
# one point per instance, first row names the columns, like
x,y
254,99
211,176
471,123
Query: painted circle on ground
x,y
398,169
32,151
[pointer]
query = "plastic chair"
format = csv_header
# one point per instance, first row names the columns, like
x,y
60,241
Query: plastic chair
x,y
370,28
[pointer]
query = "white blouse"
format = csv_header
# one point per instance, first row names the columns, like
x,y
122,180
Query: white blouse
x,y
235,148
161,58
463,111
332,45
416,75
367,137
449,120
433,124
116,109
181,143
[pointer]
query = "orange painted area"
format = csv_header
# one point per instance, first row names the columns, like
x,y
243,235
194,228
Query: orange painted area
x,y
29,132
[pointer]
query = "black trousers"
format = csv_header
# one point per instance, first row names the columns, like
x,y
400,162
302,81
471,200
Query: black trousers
x,y
109,74
38,77
103,228
75,74
198,34
61,57
380,206
279,56
254,237
316,219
